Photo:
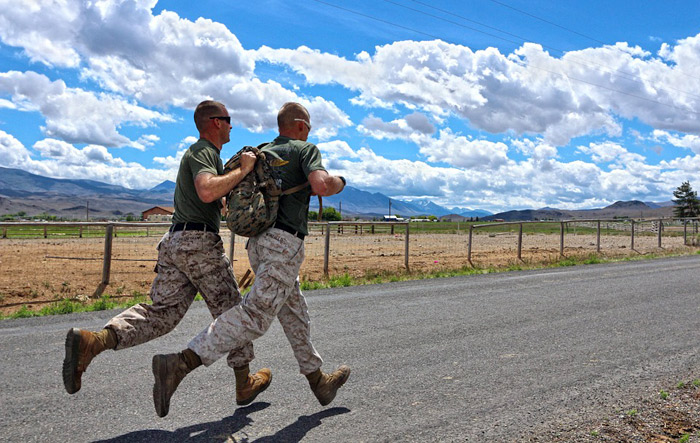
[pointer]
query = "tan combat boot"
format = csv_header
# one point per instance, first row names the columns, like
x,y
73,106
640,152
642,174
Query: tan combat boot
x,y
249,386
325,386
81,347
168,370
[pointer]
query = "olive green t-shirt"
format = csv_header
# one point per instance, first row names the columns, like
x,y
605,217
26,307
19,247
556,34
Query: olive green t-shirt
x,y
201,157
303,158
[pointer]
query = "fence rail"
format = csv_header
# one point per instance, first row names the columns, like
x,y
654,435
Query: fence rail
x,y
657,226
331,248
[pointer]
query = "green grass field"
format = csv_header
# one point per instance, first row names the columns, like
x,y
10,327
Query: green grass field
x,y
61,231
606,228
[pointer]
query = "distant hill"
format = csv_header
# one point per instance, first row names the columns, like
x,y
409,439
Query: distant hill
x,y
430,208
33,194
18,183
475,213
631,209
166,186
69,198
353,202
356,201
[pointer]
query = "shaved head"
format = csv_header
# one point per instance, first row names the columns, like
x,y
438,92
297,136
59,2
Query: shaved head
x,y
289,112
206,109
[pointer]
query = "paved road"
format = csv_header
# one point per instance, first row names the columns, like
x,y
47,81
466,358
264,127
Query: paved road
x,y
480,358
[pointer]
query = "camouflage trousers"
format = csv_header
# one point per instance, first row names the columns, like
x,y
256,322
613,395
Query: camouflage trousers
x,y
188,262
275,257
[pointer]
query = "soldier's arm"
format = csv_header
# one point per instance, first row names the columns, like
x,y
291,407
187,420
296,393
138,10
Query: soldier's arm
x,y
324,184
211,187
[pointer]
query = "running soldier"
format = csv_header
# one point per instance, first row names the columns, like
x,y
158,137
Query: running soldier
x,y
191,259
275,256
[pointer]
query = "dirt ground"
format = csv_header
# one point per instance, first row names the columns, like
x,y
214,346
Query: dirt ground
x,y
668,414
35,272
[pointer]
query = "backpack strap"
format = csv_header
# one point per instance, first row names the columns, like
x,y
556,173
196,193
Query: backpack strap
x,y
299,188
295,188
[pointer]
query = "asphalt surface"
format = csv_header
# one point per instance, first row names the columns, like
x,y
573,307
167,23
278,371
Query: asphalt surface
x,y
480,358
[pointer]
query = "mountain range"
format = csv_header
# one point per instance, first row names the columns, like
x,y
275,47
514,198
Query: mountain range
x,y
21,191
630,209
355,202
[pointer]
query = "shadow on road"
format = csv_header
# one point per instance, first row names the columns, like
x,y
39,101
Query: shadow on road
x,y
297,430
222,430
212,431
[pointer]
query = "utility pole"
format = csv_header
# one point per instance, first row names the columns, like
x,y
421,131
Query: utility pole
x,y
389,206
87,210
340,209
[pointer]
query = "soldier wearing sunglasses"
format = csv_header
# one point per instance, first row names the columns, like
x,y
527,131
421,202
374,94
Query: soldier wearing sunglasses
x,y
191,260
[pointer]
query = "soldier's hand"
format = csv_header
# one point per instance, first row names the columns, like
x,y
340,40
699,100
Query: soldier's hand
x,y
247,162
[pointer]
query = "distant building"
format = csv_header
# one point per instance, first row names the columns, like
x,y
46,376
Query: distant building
x,y
158,214
392,218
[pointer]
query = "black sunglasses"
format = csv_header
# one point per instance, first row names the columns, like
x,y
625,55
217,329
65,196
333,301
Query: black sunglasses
x,y
227,118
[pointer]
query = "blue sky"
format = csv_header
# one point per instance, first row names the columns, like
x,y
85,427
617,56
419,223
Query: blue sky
x,y
488,104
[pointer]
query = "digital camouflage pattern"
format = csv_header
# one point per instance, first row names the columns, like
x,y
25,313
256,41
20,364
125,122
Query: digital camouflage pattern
x,y
188,262
275,257
252,204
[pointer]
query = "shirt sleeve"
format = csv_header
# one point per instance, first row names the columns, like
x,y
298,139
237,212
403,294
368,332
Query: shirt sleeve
x,y
310,160
205,160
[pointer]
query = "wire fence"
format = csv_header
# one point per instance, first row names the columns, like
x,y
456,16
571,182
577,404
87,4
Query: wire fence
x,y
49,261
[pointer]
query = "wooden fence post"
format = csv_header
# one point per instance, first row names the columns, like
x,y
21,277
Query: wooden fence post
x,y
107,261
326,250
598,238
632,247
660,226
469,246
520,242
406,251
685,232
80,233
561,240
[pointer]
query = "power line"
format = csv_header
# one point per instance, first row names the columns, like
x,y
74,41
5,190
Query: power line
x,y
377,19
577,60
573,31
522,63
549,22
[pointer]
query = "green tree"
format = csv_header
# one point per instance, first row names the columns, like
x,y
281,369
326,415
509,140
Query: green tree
x,y
686,201
330,214
313,215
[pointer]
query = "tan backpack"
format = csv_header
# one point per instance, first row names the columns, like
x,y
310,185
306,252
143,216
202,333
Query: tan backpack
x,y
252,204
